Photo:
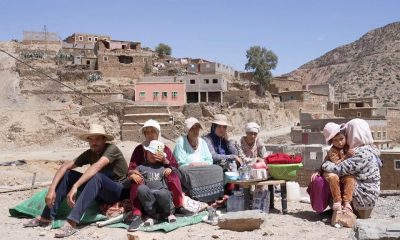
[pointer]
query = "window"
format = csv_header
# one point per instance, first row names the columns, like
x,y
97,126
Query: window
x,y
215,81
80,38
192,81
174,94
378,135
373,134
95,39
89,39
164,94
87,62
105,59
125,59
358,114
155,94
396,164
313,99
142,94
383,135
206,81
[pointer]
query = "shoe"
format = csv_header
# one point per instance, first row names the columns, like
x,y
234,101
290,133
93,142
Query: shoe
x,y
149,222
171,218
36,223
347,207
183,211
337,206
65,231
135,224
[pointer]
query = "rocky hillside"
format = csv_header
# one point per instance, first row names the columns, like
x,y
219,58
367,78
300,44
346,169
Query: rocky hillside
x,y
367,67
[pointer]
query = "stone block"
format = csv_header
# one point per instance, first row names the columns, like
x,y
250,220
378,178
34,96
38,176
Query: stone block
x,y
242,221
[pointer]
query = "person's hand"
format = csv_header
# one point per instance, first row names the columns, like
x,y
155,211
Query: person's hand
x,y
314,175
239,161
71,196
197,164
167,172
137,177
350,153
159,157
50,198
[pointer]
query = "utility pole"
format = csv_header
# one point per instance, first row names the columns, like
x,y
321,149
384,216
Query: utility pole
x,y
45,40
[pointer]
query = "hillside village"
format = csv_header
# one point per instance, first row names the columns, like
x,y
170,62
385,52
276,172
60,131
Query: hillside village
x,y
60,87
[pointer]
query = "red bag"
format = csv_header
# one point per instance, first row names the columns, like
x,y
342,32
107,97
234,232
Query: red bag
x,y
283,158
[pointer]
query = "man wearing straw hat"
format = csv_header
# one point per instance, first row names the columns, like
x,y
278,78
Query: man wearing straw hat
x,y
101,181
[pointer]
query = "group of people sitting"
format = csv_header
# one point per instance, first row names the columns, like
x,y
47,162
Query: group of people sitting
x,y
157,179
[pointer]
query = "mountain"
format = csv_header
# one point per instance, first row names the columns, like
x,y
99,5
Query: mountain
x,y
367,67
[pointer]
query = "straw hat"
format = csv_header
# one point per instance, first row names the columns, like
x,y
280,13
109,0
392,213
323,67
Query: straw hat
x,y
221,119
190,122
151,123
95,130
330,131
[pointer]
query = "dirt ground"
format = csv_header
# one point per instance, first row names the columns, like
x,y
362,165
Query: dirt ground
x,y
301,222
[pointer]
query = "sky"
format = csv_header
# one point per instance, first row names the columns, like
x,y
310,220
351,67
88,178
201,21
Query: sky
x,y
216,30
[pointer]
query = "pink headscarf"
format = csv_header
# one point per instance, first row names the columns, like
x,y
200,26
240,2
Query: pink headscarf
x,y
358,133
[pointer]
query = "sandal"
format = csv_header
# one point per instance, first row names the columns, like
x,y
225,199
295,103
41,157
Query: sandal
x,y
337,206
65,231
36,223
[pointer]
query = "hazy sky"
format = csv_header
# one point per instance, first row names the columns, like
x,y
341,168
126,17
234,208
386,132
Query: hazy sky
x,y
297,31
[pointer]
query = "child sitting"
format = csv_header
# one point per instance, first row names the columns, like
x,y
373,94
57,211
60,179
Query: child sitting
x,y
154,194
339,151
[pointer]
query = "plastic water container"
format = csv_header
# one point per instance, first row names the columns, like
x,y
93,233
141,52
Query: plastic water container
x,y
235,202
293,191
232,166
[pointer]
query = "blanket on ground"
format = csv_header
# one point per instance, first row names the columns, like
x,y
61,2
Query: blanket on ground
x,y
34,206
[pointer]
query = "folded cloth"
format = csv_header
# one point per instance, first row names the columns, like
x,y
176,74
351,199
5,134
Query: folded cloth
x,y
203,183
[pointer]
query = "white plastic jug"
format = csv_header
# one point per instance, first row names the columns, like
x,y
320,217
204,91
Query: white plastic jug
x,y
293,191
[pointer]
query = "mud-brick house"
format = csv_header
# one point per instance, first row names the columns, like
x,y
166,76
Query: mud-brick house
x,y
121,58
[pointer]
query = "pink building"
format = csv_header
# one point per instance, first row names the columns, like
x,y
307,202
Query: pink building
x,y
167,90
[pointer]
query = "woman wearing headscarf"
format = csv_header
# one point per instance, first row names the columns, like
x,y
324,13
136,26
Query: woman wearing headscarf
x,y
251,145
223,151
151,131
200,178
364,166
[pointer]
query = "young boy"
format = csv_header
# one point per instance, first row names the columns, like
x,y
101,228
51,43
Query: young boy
x,y
154,194
339,151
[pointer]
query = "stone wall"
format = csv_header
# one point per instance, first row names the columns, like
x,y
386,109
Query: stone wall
x,y
111,66
232,97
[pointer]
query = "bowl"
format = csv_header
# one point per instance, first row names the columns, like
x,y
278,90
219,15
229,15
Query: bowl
x,y
284,171
232,176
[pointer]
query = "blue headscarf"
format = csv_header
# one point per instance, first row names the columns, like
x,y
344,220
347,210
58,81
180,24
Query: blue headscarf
x,y
220,144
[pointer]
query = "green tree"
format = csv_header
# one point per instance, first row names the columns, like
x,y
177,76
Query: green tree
x,y
262,61
163,50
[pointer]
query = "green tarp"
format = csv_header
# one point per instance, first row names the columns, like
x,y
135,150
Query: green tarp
x,y
34,206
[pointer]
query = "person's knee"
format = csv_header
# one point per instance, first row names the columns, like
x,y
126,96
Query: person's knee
x,y
332,177
142,189
164,194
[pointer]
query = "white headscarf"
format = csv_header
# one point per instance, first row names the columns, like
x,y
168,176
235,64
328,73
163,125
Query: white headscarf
x,y
358,133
